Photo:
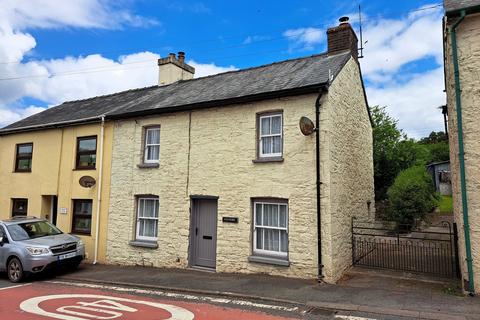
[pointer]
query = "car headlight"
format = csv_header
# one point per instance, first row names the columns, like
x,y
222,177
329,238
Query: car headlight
x,y
80,243
36,251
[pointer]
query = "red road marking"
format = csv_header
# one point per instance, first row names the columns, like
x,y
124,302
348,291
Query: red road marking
x,y
72,303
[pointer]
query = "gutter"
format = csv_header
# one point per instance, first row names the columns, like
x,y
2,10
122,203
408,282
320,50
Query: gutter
x,y
461,152
99,189
318,182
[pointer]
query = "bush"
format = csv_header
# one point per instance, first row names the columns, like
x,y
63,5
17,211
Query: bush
x,y
411,196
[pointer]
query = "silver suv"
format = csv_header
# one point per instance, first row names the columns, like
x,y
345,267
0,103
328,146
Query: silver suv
x,y
32,245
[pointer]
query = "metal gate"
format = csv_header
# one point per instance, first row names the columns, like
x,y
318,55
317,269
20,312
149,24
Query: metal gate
x,y
432,250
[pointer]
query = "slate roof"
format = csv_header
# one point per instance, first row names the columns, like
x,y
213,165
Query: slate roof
x,y
276,79
454,5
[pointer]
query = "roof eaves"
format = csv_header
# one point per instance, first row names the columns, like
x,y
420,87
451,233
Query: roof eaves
x,y
468,10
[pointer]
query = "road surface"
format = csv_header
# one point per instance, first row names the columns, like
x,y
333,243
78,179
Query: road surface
x,y
53,299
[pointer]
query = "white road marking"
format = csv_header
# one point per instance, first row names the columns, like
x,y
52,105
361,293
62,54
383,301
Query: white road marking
x,y
106,302
352,318
16,286
238,302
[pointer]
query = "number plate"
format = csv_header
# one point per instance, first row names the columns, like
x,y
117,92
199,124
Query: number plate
x,y
67,255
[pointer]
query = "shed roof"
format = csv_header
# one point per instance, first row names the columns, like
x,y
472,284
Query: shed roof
x,y
277,79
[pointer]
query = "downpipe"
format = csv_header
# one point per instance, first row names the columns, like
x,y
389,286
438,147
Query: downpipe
x,y
318,182
99,189
461,153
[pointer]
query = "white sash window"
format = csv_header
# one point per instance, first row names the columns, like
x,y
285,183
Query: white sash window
x,y
152,145
270,136
147,218
270,229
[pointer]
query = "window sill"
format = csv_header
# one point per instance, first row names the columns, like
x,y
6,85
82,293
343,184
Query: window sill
x,y
84,234
84,169
22,171
268,260
144,244
148,165
264,160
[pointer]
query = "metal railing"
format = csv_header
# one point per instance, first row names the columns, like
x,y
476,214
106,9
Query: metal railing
x,y
406,248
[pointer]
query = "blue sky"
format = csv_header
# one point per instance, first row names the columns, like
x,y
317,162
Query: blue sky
x,y
54,51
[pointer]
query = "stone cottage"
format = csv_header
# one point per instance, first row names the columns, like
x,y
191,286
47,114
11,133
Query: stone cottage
x,y
462,77
232,172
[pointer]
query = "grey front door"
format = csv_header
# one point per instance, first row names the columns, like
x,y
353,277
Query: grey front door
x,y
204,233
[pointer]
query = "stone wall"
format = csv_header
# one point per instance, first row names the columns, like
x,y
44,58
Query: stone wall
x,y
347,168
222,146
468,40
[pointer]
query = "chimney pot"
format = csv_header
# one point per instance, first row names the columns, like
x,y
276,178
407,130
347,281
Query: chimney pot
x,y
344,20
181,56
172,56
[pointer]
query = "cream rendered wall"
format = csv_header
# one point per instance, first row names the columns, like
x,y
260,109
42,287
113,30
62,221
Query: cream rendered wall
x,y
346,161
468,41
222,148
53,173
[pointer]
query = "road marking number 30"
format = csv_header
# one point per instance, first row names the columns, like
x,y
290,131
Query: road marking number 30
x,y
105,308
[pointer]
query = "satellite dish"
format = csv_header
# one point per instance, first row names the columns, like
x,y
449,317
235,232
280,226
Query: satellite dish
x,y
306,126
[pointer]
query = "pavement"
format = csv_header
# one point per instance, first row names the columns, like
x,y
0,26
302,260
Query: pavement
x,y
362,291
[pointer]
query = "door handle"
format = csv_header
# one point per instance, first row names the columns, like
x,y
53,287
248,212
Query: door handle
x,y
196,231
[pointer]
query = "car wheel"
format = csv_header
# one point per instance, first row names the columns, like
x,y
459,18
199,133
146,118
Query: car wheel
x,y
15,270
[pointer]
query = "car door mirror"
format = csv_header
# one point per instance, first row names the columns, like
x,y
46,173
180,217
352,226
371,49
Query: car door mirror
x,y
2,240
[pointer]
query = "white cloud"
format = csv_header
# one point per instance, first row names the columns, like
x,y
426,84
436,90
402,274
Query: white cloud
x,y
414,103
23,14
304,38
412,97
206,69
394,43
57,80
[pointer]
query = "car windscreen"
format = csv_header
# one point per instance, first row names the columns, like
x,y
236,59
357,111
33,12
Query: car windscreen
x,y
32,230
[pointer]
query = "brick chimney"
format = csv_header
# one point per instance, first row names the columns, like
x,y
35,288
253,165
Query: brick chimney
x,y
342,38
171,69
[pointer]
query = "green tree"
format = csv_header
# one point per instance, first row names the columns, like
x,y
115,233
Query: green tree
x,y
434,137
392,151
437,145
438,152
412,195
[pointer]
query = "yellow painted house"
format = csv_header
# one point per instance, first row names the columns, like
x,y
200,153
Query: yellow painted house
x,y
56,165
